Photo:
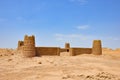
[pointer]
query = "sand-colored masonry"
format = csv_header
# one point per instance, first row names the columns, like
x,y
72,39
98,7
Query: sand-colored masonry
x,y
78,51
20,44
47,51
97,47
28,48
67,45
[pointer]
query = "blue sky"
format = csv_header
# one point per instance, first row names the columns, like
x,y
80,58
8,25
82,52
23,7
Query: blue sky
x,y
55,22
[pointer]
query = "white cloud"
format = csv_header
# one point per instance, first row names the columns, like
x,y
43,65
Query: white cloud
x,y
81,40
3,19
81,2
19,18
75,39
116,39
83,27
24,20
71,0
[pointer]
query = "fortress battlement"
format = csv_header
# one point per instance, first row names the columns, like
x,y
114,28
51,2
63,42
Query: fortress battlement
x,y
28,48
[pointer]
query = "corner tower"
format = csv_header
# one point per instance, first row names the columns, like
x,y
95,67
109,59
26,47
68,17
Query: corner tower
x,y
20,44
67,45
29,46
97,47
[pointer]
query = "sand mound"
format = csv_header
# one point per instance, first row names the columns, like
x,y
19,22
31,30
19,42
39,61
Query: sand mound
x,y
98,76
7,52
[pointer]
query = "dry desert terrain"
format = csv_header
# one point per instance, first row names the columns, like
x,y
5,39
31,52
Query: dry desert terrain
x,y
64,67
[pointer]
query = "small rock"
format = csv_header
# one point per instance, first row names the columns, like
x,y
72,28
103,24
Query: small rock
x,y
39,62
9,59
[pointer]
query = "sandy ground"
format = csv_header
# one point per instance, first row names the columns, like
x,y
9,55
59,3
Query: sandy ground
x,y
64,67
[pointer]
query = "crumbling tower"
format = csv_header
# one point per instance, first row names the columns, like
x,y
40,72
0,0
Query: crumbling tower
x,y
20,44
97,47
29,46
67,46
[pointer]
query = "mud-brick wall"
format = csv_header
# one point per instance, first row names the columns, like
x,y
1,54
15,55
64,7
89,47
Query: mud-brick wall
x,y
47,51
78,51
64,50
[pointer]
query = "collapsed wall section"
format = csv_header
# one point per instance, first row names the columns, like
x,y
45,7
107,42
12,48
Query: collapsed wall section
x,y
78,51
47,51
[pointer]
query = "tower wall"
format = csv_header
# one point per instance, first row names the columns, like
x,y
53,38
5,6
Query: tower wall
x,y
97,47
29,46
20,44
53,51
79,51
67,45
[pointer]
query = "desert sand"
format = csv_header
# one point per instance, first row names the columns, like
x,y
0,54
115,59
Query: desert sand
x,y
63,67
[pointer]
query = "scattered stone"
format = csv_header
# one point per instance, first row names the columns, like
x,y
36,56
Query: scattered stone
x,y
39,62
9,59
64,77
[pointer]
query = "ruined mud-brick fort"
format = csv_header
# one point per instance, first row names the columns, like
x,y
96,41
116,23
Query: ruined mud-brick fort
x,y
28,48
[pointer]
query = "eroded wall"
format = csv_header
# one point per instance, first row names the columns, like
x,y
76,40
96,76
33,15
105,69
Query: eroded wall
x,y
64,50
20,44
47,51
29,50
97,47
78,51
